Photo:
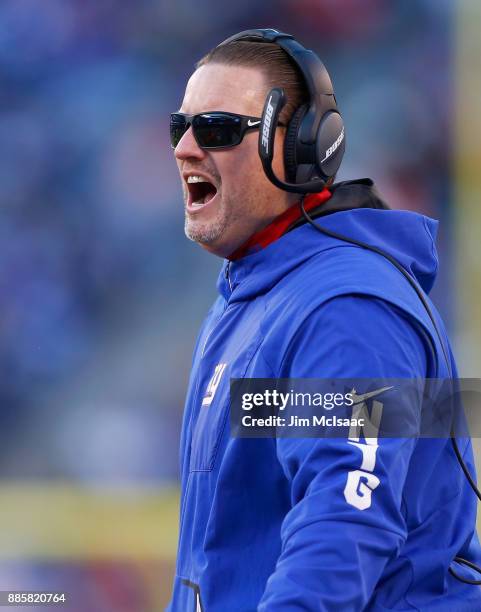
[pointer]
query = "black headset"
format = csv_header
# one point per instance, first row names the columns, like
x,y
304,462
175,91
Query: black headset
x,y
313,150
315,141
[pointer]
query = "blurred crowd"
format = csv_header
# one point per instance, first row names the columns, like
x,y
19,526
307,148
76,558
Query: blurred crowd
x,y
100,293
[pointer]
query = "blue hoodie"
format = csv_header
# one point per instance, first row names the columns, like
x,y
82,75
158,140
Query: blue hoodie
x,y
265,524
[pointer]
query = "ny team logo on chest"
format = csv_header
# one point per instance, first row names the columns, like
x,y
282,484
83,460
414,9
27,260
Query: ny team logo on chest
x,y
213,384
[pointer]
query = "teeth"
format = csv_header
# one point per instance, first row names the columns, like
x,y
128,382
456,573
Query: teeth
x,y
196,179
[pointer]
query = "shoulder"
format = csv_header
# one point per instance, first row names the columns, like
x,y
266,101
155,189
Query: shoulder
x,y
351,335
342,272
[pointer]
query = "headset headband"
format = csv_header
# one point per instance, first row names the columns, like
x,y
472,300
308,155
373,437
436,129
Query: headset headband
x,y
316,77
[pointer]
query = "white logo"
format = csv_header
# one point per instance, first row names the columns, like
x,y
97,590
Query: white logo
x,y
251,123
332,149
213,384
357,399
362,482
267,125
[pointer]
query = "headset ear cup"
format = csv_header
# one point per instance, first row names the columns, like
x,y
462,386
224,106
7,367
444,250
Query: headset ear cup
x,y
290,143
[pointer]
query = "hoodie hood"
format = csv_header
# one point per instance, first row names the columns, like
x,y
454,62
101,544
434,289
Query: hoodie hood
x,y
355,210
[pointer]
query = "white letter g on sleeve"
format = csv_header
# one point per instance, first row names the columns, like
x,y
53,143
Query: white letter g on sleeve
x,y
359,488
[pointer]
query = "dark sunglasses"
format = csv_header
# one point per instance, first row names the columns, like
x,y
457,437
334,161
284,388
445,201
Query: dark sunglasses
x,y
214,130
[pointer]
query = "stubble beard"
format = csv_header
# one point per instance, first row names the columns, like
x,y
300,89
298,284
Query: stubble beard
x,y
209,232
205,232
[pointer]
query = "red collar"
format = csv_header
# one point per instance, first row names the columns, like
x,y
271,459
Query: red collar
x,y
279,225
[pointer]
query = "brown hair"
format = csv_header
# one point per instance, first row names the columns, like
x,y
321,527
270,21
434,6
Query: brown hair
x,y
277,66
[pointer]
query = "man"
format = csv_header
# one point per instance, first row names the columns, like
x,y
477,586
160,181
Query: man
x,y
306,523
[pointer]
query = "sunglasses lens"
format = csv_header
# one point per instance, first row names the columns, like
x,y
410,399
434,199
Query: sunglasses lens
x,y
178,127
217,130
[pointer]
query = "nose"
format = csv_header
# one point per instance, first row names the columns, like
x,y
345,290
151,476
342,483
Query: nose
x,y
187,147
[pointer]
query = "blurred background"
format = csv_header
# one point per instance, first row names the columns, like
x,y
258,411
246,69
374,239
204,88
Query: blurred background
x,y
101,296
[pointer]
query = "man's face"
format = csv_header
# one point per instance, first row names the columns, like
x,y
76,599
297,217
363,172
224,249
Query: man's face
x,y
241,200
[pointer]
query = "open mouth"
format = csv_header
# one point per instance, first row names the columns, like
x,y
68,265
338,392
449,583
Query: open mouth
x,y
201,191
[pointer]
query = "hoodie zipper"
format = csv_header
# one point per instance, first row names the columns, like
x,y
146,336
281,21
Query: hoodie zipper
x,y
227,275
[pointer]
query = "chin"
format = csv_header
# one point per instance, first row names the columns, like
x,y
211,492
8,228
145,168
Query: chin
x,y
207,235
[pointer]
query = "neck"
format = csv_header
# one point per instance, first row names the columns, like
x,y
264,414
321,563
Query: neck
x,y
279,226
